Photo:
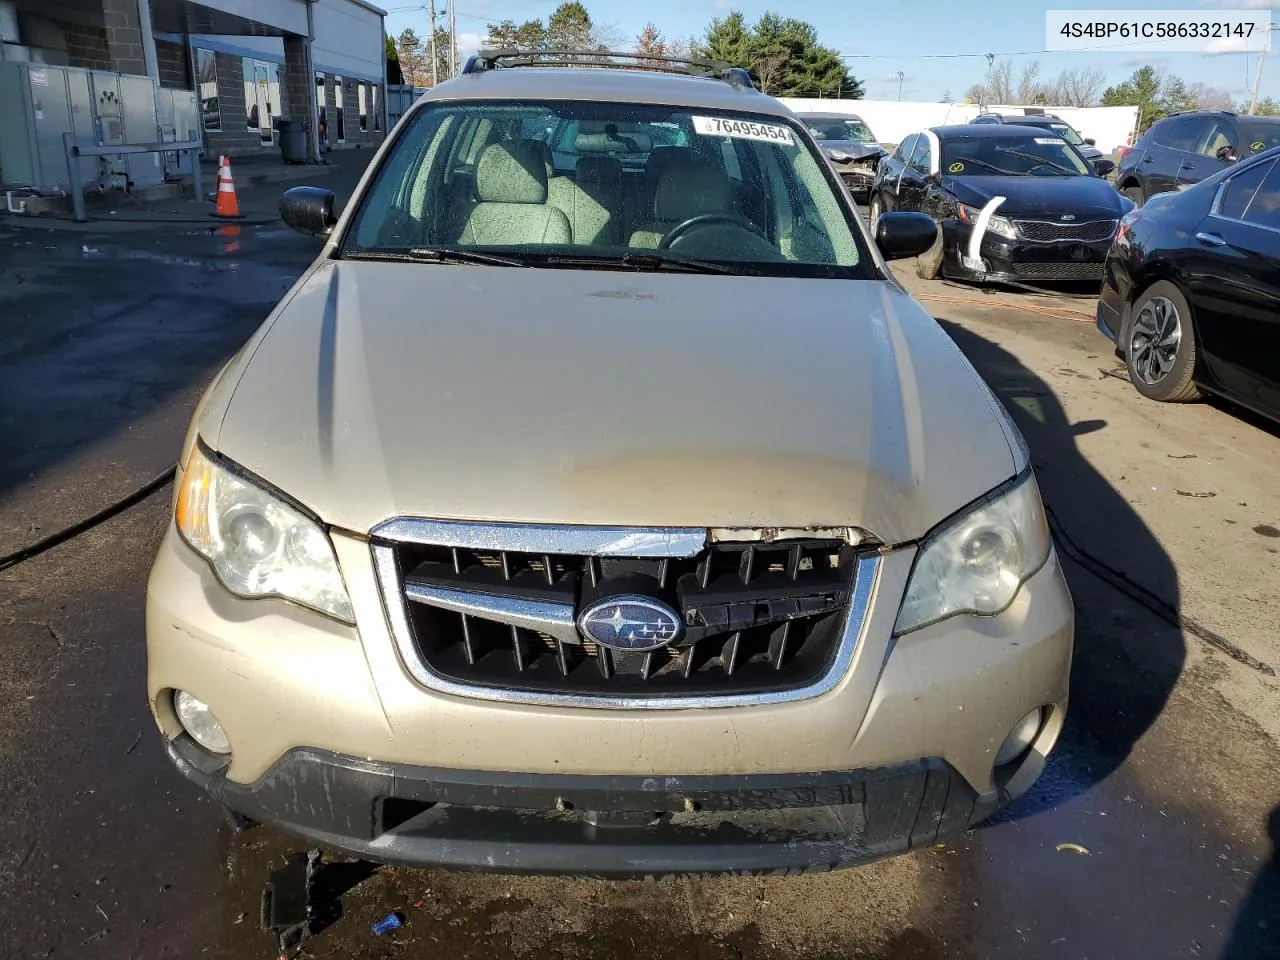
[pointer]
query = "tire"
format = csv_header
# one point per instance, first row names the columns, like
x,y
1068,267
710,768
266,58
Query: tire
x,y
1135,194
873,212
929,263
1160,345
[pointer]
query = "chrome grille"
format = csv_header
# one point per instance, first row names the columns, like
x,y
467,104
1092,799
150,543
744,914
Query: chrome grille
x,y
1045,231
758,618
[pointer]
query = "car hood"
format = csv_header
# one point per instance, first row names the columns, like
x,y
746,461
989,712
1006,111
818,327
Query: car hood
x,y
383,390
852,148
1088,198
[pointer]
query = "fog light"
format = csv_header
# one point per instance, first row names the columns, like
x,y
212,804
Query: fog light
x,y
1017,742
198,720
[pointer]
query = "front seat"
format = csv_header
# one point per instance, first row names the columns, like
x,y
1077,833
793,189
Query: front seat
x,y
689,186
511,185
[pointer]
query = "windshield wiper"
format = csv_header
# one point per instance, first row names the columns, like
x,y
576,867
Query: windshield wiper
x,y
645,262
991,166
1041,161
436,255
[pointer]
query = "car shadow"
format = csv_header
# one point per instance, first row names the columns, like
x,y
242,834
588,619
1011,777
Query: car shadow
x,y
1126,662
1254,931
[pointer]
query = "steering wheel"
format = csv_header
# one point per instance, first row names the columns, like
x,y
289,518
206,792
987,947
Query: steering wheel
x,y
704,220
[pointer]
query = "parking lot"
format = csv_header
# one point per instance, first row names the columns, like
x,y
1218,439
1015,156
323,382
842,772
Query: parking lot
x,y
1153,833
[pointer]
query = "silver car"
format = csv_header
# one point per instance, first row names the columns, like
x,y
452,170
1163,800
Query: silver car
x,y
849,144
603,521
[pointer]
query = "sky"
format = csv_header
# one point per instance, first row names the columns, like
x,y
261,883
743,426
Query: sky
x,y
921,38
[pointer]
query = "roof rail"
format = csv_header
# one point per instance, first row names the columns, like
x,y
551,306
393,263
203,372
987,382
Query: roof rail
x,y
501,57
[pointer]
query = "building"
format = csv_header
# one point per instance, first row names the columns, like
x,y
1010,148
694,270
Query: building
x,y
251,63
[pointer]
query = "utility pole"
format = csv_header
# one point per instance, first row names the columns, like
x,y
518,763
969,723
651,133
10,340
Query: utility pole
x,y
900,78
435,63
1257,77
453,40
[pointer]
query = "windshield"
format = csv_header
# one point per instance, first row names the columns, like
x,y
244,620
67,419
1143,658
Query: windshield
x,y
830,129
624,186
1043,156
1258,136
1066,132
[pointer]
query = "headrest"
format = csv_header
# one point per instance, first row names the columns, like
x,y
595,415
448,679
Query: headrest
x,y
512,172
689,186
599,170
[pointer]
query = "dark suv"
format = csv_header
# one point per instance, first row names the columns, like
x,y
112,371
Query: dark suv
x,y
1188,147
1087,148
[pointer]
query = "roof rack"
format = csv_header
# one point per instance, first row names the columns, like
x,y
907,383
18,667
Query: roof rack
x,y
502,57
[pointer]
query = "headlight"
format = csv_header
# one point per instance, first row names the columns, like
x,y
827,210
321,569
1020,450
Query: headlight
x,y
1000,226
257,545
978,562
838,155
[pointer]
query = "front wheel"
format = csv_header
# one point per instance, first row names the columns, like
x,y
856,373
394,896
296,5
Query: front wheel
x,y
1135,194
929,263
873,213
1160,351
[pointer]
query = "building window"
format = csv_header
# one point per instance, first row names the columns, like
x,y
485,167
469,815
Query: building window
x,y
377,110
322,118
207,71
338,98
261,97
362,90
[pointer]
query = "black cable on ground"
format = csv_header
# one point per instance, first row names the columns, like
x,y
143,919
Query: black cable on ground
x,y
62,536
1145,598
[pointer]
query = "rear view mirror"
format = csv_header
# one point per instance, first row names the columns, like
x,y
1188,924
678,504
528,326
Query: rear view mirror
x,y
902,235
1090,141
1103,167
308,210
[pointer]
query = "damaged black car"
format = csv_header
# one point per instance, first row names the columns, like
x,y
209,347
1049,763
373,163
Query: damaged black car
x,y
849,145
1014,205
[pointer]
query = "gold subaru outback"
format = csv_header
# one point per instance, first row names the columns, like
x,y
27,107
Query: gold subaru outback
x,y
597,502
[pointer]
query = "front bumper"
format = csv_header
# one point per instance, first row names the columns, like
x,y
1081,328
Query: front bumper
x,y
1020,261
287,683
598,826
857,175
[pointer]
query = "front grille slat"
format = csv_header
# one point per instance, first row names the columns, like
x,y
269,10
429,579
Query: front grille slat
x,y
759,616
1046,231
1063,270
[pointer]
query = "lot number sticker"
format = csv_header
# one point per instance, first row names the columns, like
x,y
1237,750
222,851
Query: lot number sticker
x,y
742,129
1047,141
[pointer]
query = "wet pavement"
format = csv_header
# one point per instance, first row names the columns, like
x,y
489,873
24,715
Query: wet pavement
x,y
1166,790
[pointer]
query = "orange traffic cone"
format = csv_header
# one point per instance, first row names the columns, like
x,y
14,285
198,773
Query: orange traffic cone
x,y
226,206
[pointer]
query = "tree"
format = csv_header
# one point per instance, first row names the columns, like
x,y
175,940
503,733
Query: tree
x,y
569,28
444,56
1211,98
1077,88
1142,90
394,77
529,35
415,65
1266,107
946,97
1029,83
782,54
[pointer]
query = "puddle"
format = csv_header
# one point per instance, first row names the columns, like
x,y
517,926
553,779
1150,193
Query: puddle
x,y
89,252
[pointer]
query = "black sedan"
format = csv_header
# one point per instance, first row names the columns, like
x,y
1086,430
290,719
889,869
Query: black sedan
x,y
1192,289
1014,204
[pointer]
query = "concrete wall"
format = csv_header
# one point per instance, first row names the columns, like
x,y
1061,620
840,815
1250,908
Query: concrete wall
x,y
175,66
893,120
124,36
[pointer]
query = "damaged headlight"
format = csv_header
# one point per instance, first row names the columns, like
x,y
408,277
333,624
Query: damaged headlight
x,y
258,545
978,561
1000,226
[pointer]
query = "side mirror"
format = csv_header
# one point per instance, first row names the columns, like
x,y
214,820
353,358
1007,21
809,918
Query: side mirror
x,y
1103,167
1090,141
308,210
902,235
1227,154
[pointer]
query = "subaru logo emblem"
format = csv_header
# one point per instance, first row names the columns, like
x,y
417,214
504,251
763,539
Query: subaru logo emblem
x,y
630,623
1068,216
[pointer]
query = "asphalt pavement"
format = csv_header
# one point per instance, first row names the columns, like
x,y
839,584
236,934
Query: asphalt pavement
x,y
1153,833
